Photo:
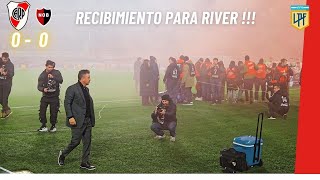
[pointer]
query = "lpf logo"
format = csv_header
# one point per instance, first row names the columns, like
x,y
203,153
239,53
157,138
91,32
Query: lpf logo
x,y
300,16
18,13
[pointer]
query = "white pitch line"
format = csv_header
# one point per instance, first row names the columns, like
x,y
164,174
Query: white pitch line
x,y
101,111
5,170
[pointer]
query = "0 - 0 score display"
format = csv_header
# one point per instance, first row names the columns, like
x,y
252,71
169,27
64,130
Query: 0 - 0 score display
x,y
16,40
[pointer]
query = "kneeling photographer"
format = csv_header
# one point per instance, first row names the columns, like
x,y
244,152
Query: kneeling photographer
x,y
278,103
49,84
164,118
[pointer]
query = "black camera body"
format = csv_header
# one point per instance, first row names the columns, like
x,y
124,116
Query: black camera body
x,y
52,85
159,115
4,68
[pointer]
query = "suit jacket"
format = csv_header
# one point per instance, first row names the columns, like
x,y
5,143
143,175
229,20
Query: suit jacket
x,y
75,106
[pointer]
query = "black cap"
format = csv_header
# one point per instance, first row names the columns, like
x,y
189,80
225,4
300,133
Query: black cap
x,y
49,62
166,97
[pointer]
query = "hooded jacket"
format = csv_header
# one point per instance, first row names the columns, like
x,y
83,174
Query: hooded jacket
x,y
187,79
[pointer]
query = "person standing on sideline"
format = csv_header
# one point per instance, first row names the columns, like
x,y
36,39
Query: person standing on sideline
x,y
223,80
146,83
249,72
260,81
155,78
49,84
283,73
136,73
240,68
198,84
79,109
205,80
171,79
6,75
188,80
215,80
232,87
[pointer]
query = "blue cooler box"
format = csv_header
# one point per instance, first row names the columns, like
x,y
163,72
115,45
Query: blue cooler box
x,y
245,144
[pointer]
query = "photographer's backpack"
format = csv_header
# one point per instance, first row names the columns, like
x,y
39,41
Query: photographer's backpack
x,y
245,153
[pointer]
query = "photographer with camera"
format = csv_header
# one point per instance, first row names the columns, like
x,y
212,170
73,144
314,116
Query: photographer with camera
x,y
49,84
164,118
278,103
6,75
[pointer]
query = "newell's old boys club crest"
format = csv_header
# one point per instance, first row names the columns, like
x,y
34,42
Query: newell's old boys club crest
x,y
43,15
18,13
300,16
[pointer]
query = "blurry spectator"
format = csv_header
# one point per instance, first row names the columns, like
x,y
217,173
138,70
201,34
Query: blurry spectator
x,y
215,80
136,72
171,79
180,64
223,79
260,80
249,72
205,80
240,84
283,73
270,80
146,83
187,82
198,85
232,86
155,78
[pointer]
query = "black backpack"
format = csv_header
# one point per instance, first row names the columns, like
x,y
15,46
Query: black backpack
x,y
232,161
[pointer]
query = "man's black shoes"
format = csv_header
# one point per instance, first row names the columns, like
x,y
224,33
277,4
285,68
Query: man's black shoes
x,y
87,166
61,159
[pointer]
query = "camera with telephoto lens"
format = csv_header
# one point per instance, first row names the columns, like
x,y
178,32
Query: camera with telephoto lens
x,y
51,85
160,116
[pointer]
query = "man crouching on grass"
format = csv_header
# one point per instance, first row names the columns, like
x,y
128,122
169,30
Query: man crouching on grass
x,y
164,118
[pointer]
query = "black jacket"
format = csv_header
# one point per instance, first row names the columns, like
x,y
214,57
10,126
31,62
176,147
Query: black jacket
x,y
276,98
172,73
170,114
146,81
75,106
10,72
43,83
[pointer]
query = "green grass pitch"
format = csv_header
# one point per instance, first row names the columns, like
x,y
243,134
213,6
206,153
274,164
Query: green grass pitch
x,y
122,140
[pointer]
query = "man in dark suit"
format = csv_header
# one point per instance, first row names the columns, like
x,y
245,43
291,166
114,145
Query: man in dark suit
x,y
79,109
